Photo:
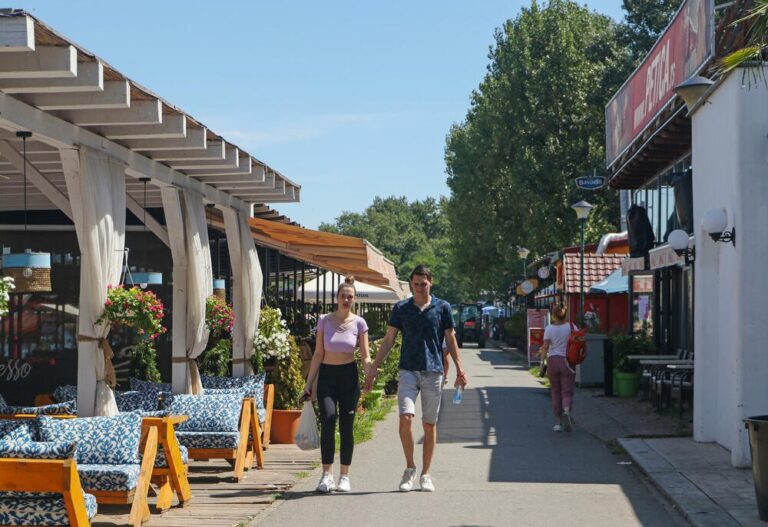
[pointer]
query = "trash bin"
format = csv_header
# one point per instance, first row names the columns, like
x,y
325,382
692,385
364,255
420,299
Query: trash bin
x,y
758,444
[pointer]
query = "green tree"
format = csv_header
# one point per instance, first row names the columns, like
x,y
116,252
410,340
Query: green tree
x,y
535,122
643,24
408,233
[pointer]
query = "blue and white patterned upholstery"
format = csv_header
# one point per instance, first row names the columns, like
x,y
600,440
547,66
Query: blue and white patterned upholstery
x,y
40,510
65,408
17,436
109,477
207,413
161,462
38,450
65,392
209,439
136,401
7,425
223,391
253,384
148,386
43,508
102,440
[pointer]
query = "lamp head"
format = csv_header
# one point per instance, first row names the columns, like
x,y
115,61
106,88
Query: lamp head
x,y
523,253
714,222
692,90
678,240
582,209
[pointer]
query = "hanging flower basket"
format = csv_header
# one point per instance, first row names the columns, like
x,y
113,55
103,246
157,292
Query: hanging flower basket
x,y
6,285
134,308
218,316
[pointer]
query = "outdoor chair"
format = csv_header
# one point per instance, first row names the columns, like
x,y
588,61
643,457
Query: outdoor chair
x,y
39,482
254,386
65,408
654,365
217,428
113,463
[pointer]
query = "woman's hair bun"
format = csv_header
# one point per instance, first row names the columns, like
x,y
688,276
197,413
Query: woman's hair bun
x,y
350,279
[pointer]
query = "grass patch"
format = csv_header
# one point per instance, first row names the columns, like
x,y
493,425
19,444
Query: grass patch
x,y
301,475
536,371
278,496
362,430
615,448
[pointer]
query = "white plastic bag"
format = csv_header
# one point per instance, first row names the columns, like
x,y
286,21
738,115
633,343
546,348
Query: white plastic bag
x,y
306,437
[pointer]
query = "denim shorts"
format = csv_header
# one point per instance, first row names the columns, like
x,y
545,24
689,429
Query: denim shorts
x,y
429,384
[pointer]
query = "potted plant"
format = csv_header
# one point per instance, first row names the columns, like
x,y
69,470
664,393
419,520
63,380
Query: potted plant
x,y
626,373
273,340
143,312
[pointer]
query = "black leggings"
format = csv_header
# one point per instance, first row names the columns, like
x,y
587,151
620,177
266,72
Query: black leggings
x,y
337,385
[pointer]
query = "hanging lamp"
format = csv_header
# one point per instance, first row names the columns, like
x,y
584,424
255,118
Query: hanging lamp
x,y
31,271
144,278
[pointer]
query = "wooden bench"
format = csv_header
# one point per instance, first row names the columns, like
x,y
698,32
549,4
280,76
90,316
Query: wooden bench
x,y
172,478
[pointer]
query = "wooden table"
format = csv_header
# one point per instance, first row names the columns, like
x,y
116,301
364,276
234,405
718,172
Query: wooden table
x,y
652,357
172,479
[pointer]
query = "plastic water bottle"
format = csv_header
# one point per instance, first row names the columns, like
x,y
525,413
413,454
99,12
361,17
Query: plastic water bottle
x,y
457,395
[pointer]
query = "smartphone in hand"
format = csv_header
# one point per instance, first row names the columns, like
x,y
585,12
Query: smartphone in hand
x,y
304,398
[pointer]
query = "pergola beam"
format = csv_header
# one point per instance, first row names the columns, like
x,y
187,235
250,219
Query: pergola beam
x,y
231,160
244,168
173,126
151,223
90,78
215,150
140,112
65,136
196,139
43,63
116,95
17,34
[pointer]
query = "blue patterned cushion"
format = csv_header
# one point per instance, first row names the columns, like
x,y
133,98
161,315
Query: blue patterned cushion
x,y
209,439
101,440
223,391
109,477
65,408
262,413
148,386
253,384
136,401
161,462
6,425
18,436
208,413
63,393
39,510
37,449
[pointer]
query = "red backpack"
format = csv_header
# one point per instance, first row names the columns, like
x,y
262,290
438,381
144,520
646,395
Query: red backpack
x,y
577,346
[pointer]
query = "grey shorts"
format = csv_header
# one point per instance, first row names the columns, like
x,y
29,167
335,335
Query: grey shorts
x,y
430,384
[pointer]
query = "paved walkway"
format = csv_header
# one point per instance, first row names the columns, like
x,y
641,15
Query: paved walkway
x,y
497,463
697,478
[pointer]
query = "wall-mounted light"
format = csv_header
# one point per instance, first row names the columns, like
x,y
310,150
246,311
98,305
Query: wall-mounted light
x,y
680,242
693,89
714,223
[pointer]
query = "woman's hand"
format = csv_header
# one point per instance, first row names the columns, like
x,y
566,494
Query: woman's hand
x,y
461,379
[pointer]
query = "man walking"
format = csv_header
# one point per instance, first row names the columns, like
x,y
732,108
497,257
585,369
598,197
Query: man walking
x,y
425,321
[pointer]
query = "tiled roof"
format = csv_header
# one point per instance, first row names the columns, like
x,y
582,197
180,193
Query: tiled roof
x,y
596,267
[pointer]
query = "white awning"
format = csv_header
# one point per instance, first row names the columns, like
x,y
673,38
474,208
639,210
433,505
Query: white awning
x,y
366,293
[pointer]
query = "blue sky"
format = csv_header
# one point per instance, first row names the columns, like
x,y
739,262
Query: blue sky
x,y
349,99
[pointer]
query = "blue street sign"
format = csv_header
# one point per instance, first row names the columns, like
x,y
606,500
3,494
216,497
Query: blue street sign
x,y
590,182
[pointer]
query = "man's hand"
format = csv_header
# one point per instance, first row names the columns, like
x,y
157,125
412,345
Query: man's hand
x,y
370,377
461,379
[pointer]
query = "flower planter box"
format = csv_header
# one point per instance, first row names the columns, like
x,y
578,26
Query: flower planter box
x,y
285,424
626,384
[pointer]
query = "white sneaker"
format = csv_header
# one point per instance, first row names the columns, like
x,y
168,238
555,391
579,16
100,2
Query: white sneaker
x,y
326,484
344,485
408,480
567,421
557,428
426,483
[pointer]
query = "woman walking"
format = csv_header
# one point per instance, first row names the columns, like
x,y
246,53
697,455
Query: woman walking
x,y
561,376
338,334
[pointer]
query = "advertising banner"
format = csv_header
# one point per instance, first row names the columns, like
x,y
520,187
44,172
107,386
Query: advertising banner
x,y
537,320
681,51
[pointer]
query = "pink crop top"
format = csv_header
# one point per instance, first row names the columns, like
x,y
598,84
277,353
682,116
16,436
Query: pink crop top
x,y
344,338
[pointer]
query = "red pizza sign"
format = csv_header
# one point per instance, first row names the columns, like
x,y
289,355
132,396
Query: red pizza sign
x,y
681,51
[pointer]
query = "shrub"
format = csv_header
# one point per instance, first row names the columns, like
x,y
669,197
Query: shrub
x,y
287,378
214,361
144,362
625,345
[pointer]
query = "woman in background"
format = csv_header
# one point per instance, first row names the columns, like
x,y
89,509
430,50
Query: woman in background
x,y
561,376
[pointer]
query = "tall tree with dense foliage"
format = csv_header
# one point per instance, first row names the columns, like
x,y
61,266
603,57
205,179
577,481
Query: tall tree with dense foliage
x,y
408,233
535,123
643,24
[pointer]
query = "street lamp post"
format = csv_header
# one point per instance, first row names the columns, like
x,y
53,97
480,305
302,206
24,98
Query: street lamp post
x,y
582,209
523,253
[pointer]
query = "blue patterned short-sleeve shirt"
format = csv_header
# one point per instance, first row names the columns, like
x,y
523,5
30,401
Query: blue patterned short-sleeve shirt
x,y
423,333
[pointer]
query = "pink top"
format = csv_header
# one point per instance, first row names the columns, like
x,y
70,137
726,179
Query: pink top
x,y
341,338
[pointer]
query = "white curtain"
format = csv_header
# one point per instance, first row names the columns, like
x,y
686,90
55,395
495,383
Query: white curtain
x,y
246,272
96,187
199,284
